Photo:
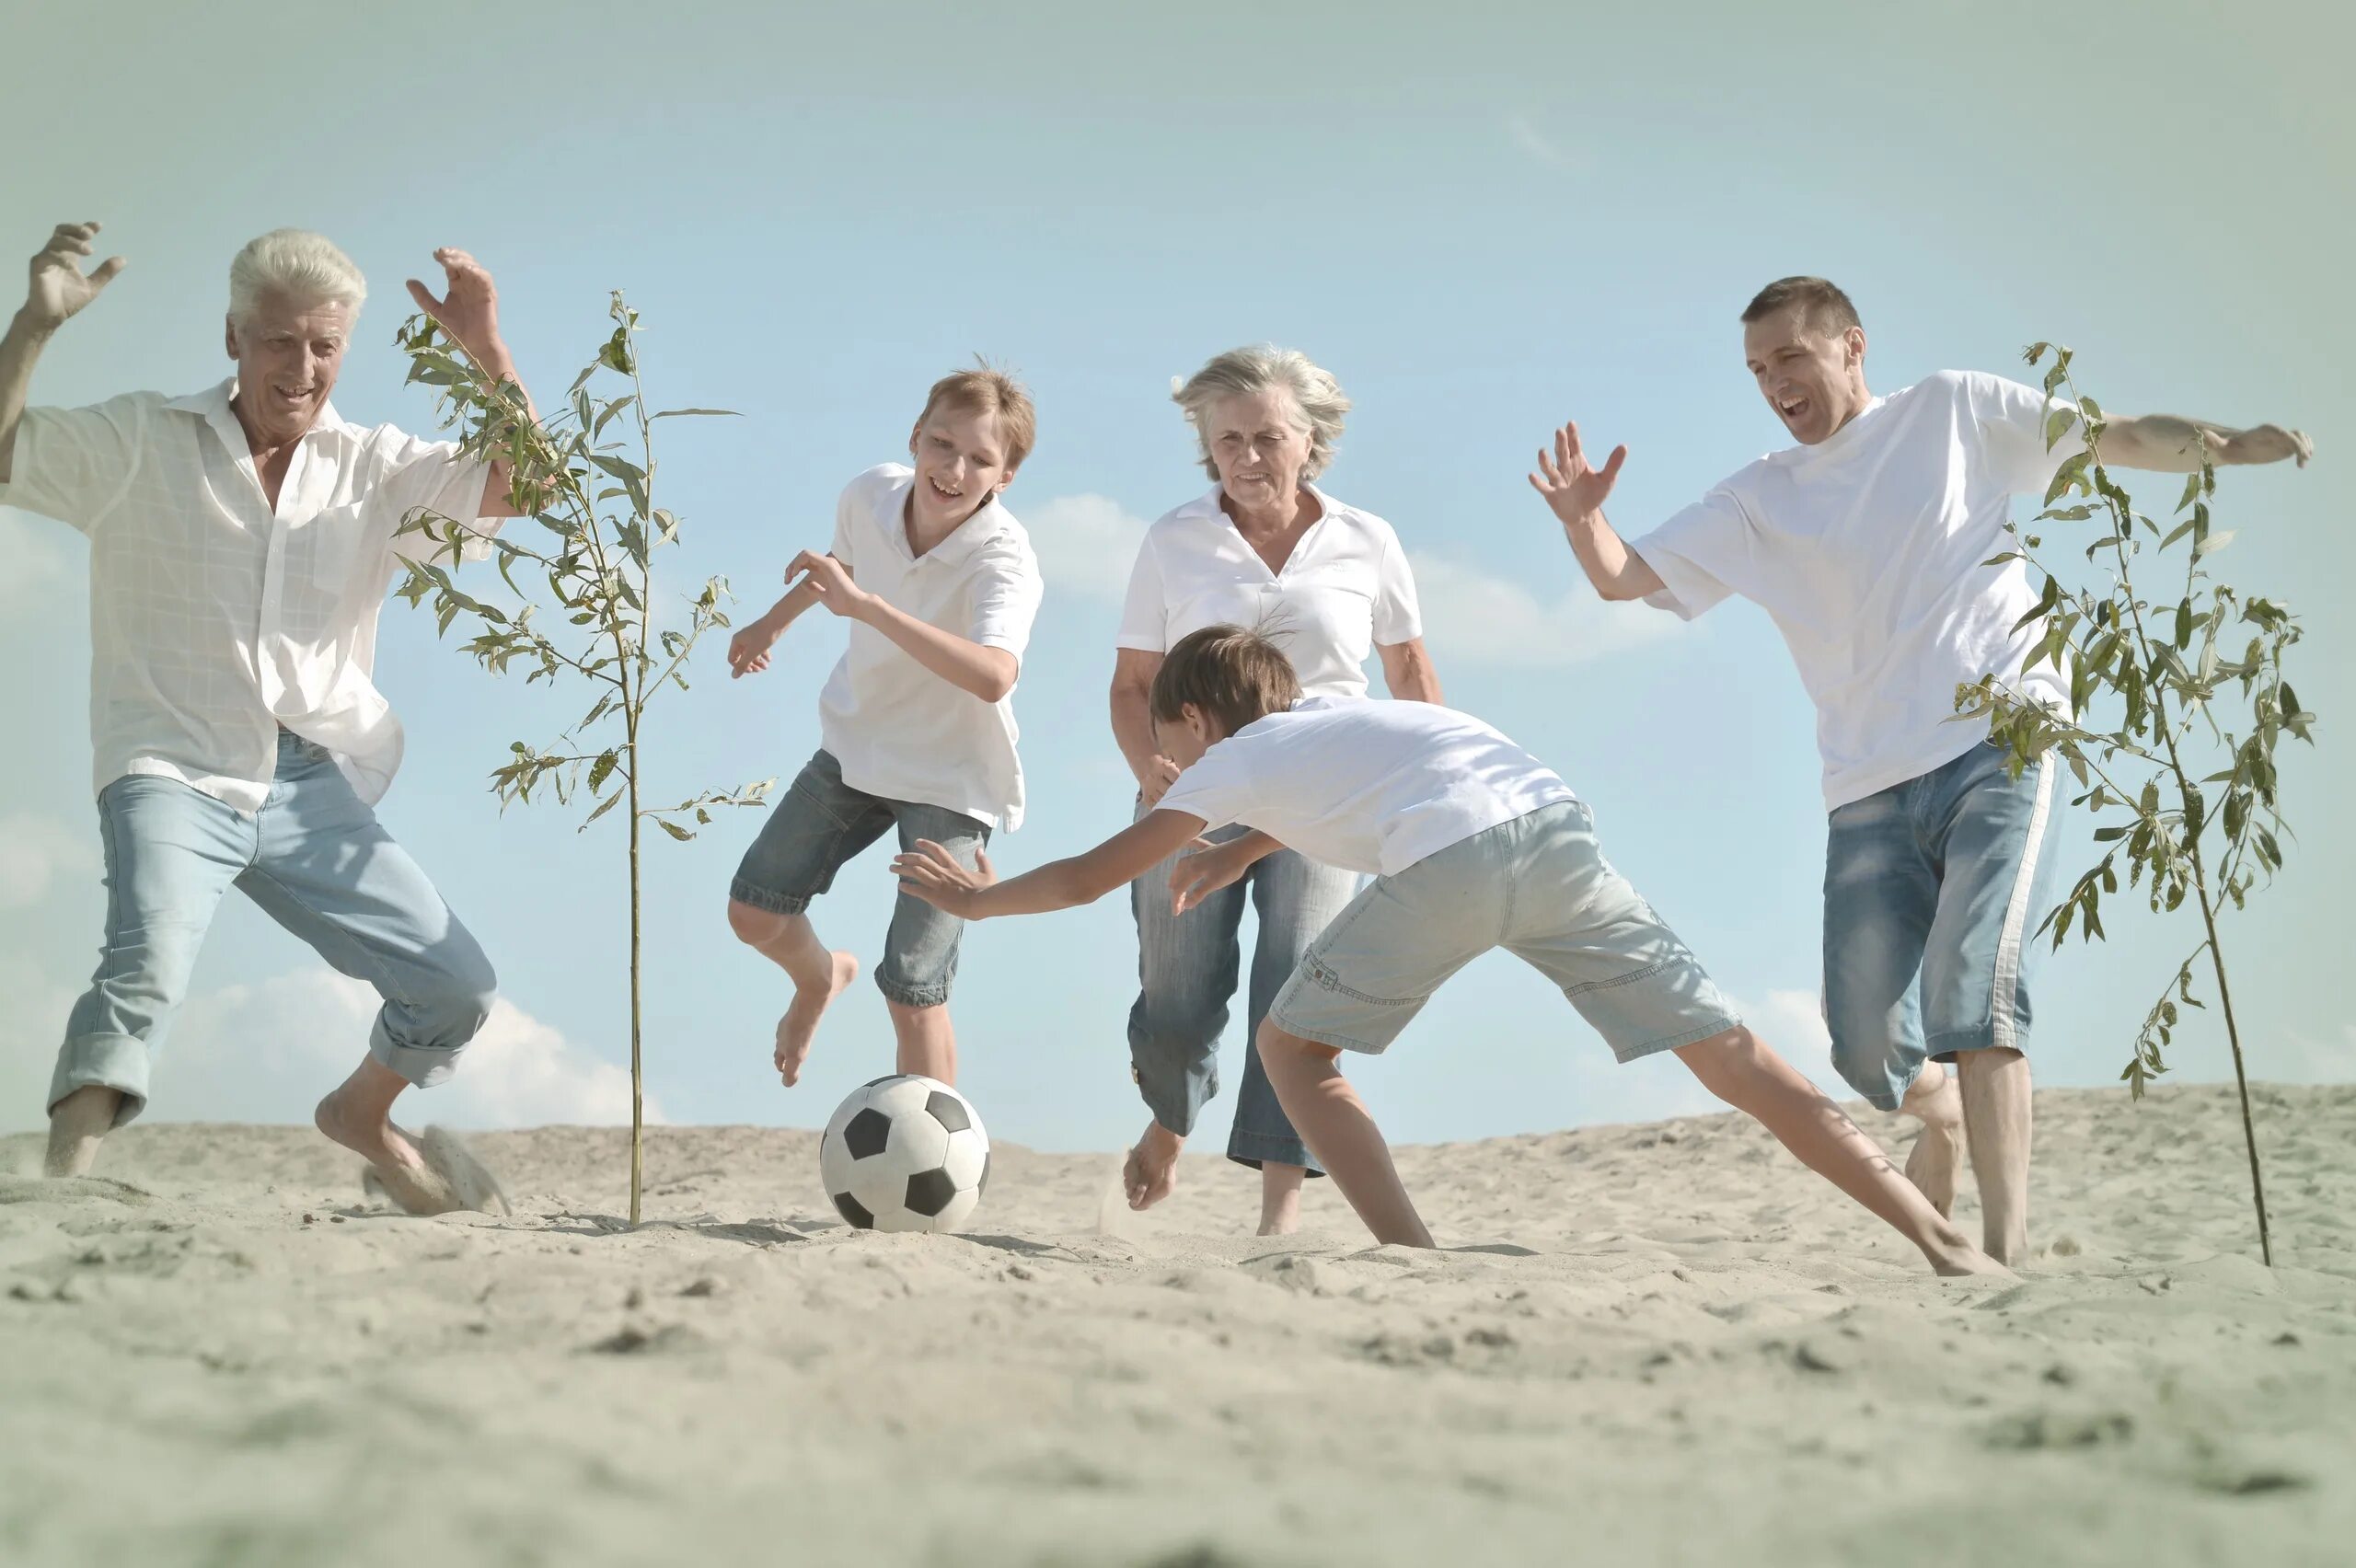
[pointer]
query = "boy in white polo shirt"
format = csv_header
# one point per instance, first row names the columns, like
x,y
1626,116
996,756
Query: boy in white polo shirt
x,y
917,722
1475,843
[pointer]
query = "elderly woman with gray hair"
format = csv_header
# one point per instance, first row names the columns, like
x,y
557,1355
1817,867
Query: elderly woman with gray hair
x,y
1265,549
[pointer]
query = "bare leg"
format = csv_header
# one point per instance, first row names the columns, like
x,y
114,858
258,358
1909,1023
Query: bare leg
x,y
1280,1197
80,1121
359,1115
928,1046
1151,1173
1335,1122
1739,1069
792,943
1995,1084
1937,1155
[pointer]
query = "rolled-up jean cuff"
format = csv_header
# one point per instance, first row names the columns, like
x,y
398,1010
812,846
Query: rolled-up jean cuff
x,y
423,1065
1174,1114
1691,1036
108,1061
931,997
1257,1150
1981,1037
743,892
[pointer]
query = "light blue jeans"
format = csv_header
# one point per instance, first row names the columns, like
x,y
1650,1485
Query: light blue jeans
x,y
1933,890
1186,974
316,860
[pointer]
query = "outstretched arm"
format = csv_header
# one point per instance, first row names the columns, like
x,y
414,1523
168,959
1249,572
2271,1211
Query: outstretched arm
x,y
1574,493
932,874
59,290
469,311
987,673
2167,443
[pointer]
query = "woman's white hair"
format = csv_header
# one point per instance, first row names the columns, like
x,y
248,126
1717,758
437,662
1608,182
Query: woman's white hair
x,y
295,265
1260,368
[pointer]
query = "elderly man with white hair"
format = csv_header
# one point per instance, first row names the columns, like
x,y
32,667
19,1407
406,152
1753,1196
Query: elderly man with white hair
x,y
1329,583
241,544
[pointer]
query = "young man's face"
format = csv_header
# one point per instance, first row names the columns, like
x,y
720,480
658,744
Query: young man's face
x,y
1184,738
288,356
1813,378
960,463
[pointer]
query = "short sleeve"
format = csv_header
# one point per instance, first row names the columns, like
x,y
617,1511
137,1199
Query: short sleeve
x,y
1145,613
433,476
1398,617
75,463
2012,420
1700,555
1005,598
1214,789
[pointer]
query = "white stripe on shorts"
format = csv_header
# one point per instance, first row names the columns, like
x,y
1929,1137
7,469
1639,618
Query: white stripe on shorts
x,y
2008,944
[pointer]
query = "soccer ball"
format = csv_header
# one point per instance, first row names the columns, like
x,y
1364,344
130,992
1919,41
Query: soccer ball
x,y
906,1153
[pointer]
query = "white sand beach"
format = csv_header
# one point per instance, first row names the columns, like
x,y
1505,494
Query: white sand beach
x,y
1646,1344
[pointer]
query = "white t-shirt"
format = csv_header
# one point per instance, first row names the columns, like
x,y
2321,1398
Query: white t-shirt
x,y
899,730
1370,787
1865,550
1346,588
215,617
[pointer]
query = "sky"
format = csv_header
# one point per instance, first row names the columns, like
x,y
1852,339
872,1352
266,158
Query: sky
x,y
1482,218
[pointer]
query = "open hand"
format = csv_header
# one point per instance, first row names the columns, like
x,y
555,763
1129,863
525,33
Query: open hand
x,y
831,581
748,651
59,288
470,310
933,874
1203,869
1160,775
1572,489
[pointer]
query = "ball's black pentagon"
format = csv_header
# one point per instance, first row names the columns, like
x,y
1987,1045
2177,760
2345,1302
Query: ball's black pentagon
x,y
887,1077
929,1192
851,1209
949,1111
984,1184
866,1134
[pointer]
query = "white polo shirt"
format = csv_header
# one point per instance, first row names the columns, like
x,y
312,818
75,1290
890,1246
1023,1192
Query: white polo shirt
x,y
214,619
899,730
1866,550
1370,787
1346,588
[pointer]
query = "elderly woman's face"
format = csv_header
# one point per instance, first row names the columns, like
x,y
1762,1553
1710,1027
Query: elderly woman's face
x,y
1260,443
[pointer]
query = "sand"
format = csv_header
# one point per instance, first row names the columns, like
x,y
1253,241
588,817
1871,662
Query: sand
x,y
1646,1345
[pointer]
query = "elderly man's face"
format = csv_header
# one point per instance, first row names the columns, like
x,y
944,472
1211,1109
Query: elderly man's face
x,y
289,353
1260,446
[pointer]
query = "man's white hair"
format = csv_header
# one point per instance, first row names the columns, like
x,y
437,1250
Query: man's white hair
x,y
294,265
1260,368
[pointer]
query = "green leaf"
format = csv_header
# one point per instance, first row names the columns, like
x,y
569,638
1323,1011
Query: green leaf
x,y
699,413
603,807
611,412
2058,424
2212,544
673,829
603,769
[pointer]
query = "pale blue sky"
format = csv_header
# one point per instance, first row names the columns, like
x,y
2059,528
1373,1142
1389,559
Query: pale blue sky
x,y
1482,218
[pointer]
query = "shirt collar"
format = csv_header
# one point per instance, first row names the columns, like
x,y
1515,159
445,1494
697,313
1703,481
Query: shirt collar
x,y
1208,505
212,405
989,522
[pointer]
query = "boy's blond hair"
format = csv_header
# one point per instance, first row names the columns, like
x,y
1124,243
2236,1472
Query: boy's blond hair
x,y
1232,675
985,389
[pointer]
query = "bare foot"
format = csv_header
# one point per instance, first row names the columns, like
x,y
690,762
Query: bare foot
x,y
1936,1159
1280,1198
76,1127
392,1155
799,1027
1965,1260
1151,1172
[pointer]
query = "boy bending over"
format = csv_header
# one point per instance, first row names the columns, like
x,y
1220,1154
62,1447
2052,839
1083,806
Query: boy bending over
x,y
917,722
1475,843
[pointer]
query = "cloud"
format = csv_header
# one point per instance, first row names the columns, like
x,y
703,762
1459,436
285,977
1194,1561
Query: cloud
x,y
1473,618
1793,1022
1524,133
1085,543
35,850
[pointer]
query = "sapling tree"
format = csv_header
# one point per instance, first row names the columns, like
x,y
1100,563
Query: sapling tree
x,y
2180,699
584,609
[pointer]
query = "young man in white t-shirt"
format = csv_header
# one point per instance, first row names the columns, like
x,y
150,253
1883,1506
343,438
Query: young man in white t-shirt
x,y
1868,545
917,722
1473,844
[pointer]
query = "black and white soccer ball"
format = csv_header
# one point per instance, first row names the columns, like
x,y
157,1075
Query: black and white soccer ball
x,y
906,1153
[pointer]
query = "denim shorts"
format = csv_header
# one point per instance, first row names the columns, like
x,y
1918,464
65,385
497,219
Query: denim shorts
x,y
820,824
1932,892
1537,886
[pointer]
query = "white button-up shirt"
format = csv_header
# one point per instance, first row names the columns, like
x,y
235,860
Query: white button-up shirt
x,y
213,620
1345,589
899,730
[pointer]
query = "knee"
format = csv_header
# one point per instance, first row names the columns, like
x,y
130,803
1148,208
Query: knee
x,y
466,989
753,925
1280,1049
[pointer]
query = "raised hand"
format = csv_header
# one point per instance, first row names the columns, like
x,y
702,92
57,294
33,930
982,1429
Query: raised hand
x,y
1572,489
59,288
468,309
830,580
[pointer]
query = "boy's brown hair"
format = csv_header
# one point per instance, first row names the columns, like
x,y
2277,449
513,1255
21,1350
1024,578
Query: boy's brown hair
x,y
985,389
1232,675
